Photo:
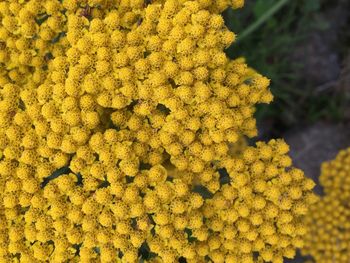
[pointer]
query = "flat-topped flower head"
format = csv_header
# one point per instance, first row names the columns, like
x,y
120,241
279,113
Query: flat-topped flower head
x,y
122,133
327,235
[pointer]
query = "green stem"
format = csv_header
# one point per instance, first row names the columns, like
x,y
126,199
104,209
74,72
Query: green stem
x,y
261,20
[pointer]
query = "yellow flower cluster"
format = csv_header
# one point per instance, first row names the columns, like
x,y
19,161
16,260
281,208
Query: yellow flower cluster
x,y
262,207
27,31
328,237
334,176
121,124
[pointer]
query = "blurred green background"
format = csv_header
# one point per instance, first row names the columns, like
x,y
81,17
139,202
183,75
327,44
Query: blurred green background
x,y
301,48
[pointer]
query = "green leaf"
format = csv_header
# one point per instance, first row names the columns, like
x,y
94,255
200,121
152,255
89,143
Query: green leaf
x,y
272,23
261,6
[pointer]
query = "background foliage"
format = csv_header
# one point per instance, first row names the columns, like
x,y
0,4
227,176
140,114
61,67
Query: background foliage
x,y
276,50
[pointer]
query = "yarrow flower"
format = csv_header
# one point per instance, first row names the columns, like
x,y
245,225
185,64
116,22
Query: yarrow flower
x,y
122,129
327,238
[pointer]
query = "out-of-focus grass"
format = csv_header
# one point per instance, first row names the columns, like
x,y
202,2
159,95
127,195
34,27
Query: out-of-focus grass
x,y
269,50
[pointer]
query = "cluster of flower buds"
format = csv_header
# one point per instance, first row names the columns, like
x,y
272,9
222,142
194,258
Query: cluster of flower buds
x,y
121,126
328,221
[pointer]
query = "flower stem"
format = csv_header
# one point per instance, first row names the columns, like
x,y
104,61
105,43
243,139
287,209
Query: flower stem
x,y
269,13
